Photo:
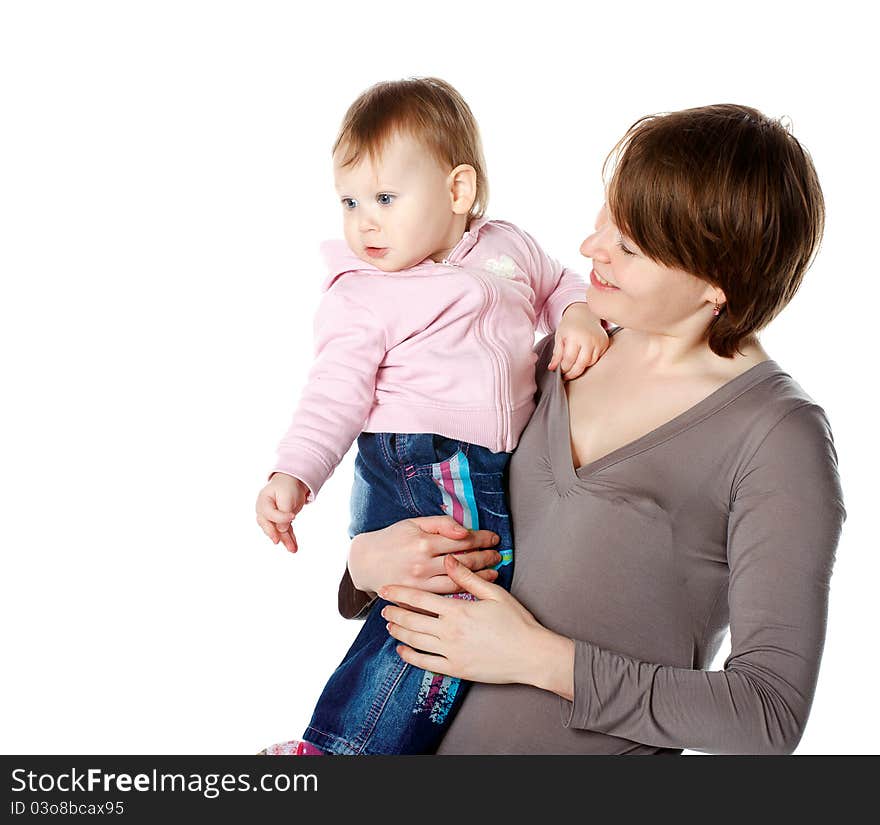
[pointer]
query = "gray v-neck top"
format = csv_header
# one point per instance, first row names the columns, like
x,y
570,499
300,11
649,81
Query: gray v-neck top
x,y
729,514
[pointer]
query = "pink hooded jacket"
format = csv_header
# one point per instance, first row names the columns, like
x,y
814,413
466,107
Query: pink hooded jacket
x,y
440,348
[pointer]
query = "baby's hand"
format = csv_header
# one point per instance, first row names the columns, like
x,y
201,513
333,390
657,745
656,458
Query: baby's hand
x,y
580,341
277,505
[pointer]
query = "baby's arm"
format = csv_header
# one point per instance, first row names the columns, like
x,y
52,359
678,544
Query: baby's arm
x,y
580,341
339,392
561,307
350,345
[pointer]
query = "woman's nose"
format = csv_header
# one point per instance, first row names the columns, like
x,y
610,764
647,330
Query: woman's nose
x,y
593,247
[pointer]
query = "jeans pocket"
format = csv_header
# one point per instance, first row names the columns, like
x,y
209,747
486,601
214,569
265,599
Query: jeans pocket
x,y
445,448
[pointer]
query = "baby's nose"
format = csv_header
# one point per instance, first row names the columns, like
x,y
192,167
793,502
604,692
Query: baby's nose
x,y
367,221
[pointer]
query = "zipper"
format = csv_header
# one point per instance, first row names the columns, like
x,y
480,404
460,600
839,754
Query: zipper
x,y
498,357
461,241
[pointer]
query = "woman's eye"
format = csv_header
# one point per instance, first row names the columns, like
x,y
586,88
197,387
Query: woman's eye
x,y
622,246
349,203
385,199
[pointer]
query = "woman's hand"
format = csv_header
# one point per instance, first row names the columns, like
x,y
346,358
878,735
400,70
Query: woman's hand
x,y
411,553
492,640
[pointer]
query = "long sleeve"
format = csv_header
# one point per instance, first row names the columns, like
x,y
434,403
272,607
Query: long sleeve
x,y
784,524
555,286
349,347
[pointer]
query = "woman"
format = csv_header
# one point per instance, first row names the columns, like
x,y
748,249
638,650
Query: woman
x,y
683,483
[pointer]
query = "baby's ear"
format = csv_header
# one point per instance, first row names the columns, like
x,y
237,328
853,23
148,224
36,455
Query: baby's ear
x,y
462,183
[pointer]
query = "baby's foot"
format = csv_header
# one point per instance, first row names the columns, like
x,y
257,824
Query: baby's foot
x,y
295,747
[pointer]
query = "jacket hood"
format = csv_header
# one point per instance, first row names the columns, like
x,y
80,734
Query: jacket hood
x,y
339,259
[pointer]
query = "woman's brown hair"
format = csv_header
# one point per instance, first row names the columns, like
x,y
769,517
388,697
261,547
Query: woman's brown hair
x,y
430,110
727,194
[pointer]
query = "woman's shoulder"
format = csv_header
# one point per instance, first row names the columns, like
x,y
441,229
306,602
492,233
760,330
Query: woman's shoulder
x,y
773,395
544,350
785,435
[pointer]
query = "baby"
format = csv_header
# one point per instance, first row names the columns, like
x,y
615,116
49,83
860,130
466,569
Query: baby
x,y
424,340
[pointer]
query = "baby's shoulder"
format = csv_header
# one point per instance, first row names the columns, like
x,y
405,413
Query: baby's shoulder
x,y
500,232
506,243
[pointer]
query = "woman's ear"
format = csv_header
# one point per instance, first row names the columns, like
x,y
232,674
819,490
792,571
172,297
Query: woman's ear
x,y
462,183
715,295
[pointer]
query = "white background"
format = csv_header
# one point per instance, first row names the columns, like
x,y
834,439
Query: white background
x,y
165,184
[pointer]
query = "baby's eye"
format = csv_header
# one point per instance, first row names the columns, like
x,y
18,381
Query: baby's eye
x,y
385,199
349,203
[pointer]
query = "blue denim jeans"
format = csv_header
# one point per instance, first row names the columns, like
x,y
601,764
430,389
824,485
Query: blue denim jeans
x,y
375,703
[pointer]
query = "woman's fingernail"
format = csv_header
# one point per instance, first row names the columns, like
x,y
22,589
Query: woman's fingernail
x,y
383,591
495,539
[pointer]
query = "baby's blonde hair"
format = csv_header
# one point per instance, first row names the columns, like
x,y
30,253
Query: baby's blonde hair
x,y
429,109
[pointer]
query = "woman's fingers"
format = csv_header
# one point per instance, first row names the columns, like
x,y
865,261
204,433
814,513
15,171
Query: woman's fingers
x,y
420,641
416,622
473,560
478,559
470,581
451,535
425,661
440,525
430,602
445,586
473,540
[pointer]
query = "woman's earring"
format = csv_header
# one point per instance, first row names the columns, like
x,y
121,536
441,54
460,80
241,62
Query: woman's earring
x,y
717,310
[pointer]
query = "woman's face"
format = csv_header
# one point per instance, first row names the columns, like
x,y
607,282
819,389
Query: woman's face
x,y
633,291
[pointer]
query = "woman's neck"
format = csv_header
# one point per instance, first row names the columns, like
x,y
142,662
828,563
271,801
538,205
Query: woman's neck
x,y
679,355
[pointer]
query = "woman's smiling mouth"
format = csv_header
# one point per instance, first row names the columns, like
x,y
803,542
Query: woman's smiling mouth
x,y
599,282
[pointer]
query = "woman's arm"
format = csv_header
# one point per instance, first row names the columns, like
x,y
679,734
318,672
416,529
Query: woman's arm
x,y
411,552
783,529
785,519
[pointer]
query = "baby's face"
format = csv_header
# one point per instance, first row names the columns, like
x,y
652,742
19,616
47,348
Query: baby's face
x,y
397,210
